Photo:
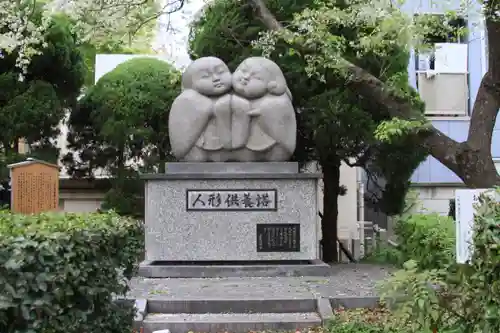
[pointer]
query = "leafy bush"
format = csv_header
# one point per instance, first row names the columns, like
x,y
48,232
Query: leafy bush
x,y
379,319
478,289
357,327
60,272
420,288
384,253
126,196
121,126
366,320
33,108
123,118
460,298
429,239
372,321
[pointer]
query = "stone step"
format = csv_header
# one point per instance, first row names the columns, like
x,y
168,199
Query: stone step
x,y
230,322
289,268
231,305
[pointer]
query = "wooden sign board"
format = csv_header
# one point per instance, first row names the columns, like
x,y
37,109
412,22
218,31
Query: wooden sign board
x,y
34,187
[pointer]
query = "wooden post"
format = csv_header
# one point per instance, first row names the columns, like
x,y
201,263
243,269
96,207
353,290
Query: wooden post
x,y
34,187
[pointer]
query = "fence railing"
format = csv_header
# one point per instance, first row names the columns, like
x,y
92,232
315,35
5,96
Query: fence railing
x,y
373,237
368,238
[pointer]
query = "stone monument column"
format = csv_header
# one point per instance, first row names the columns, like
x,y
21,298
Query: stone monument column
x,y
233,205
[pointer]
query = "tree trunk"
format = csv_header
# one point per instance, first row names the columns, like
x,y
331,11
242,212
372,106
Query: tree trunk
x,y
16,146
120,162
331,189
9,147
161,166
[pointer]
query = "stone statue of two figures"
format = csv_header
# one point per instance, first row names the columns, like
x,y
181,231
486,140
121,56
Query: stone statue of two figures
x,y
243,116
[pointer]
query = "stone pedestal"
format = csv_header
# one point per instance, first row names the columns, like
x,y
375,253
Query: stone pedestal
x,y
228,215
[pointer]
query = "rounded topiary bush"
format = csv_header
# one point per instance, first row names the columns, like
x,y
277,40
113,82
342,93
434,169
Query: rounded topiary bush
x,y
61,272
121,126
133,101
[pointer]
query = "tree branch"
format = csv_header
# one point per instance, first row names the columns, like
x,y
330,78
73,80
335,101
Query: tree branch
x,y
487,104
484,114
493,40
448,151
163,11
359,79
361,160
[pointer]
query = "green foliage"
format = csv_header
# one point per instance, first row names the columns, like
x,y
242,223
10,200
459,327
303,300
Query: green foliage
x,y
418,294
121,126
90,51
378,319
480,287
357,327
227,29
438,28
390,130
124,117
450,296
33,108
5,160
395,162
135,40
59,272
429,239
126,196
384,254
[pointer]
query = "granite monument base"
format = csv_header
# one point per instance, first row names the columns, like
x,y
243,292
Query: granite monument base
x,y
232,219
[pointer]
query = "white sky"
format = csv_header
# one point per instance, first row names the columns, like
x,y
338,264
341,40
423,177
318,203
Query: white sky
x,y
171,39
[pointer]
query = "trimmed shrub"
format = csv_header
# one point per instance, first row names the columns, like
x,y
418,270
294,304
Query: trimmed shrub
x,y
124,117
461,298
61,272
429,239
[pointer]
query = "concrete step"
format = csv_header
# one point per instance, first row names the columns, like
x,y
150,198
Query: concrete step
x,y
169,269
228,305
230,322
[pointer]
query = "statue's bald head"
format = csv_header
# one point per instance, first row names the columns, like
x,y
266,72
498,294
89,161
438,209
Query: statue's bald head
x,y
208,75
265,70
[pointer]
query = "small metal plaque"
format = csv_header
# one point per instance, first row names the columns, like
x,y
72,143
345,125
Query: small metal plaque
x,y
278,237
231,200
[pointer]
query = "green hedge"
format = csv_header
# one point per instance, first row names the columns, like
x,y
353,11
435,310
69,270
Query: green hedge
x,y
60,272
428,239
458,298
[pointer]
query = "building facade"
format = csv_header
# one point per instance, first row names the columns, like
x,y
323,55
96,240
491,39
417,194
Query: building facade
x,y
448,85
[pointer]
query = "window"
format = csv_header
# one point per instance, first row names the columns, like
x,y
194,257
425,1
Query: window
x,y
442,72
497,165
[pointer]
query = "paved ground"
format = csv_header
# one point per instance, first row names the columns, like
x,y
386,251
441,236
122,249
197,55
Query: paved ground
x,y
347,280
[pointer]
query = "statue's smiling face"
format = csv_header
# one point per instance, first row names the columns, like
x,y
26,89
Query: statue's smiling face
x,y
213,79
251,79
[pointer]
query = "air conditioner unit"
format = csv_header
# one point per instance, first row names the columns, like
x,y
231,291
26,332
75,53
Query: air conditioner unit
x,y
444,94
